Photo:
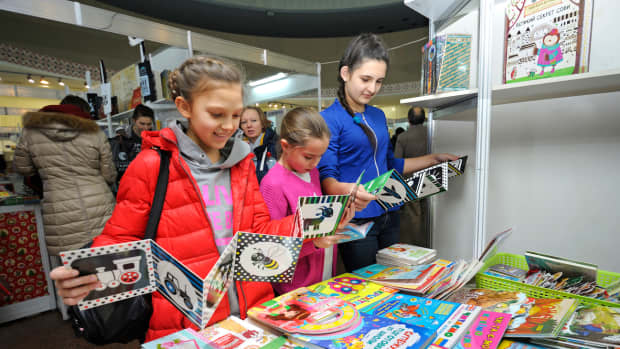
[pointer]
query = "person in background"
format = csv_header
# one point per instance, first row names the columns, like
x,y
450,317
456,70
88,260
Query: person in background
x,y
73,158
77,101
261,137
125,147
304,139
397,132
212,193
413,143
360,142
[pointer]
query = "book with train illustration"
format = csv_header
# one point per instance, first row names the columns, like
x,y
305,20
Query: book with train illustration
x,y
140,267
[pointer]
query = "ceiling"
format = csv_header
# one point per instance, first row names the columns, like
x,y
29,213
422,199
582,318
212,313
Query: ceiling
x,y
281,18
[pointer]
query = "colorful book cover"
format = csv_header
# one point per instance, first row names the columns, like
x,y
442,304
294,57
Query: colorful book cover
x,y
320,215
390,189
486,331
353,289
455,327
373,269
546,38
552,264
233,332
374,333
355,232
410,253
281,343
454,72
427,313
594,323
184,339
306,312
508,270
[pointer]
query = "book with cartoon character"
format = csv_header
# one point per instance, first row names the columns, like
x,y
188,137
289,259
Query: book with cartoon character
x,y
424,312
136,268
353,289
594,324
546,39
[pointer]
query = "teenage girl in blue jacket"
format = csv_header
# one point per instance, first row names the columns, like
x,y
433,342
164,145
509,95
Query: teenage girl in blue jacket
x,y
360,141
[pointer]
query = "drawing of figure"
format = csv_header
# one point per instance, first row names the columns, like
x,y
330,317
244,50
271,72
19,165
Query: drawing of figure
x,y
550,53
291,312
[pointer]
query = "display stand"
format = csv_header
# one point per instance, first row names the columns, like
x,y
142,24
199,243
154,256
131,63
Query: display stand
x,y
12,218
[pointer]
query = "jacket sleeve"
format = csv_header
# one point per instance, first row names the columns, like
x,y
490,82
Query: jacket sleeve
x,y
329,166
108,169
22,161
399,149
133,201
393,162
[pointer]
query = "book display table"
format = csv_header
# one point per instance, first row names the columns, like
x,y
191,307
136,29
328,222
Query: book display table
x,y
25,287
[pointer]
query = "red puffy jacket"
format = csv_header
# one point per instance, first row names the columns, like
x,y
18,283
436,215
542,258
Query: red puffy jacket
x,y
184,230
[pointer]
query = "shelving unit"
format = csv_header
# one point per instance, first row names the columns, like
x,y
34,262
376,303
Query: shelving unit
x,y
563,86
547,137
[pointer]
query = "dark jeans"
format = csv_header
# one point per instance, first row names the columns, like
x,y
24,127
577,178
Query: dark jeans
x,y
360,253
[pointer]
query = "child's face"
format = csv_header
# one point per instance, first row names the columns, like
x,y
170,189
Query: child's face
x,y
551,40
302,159
250,124
213,116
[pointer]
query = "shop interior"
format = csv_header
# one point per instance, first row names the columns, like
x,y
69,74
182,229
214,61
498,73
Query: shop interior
x,y
542,155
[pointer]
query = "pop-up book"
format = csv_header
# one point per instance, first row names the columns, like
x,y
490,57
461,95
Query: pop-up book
x,y
140,267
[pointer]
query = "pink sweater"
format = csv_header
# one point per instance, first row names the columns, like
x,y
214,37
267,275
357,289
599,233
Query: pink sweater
x,y
281,189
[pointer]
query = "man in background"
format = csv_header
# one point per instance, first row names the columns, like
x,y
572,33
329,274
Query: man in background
x,y
413,143
125,147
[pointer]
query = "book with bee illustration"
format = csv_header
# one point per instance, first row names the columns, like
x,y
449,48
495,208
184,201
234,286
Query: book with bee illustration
x,y
141,267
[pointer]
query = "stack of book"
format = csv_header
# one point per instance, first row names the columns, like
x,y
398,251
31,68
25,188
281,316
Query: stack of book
x,y
405,255
314,320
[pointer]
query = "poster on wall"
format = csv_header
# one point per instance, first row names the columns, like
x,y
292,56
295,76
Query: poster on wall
x,y
546,38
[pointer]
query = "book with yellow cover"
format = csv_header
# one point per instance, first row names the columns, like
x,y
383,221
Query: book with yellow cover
x,y
353,289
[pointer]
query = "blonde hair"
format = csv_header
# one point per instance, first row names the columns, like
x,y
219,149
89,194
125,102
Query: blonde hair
x,y
261,116
302,123
199,73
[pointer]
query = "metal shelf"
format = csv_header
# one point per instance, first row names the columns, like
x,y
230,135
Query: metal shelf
x,y
440,100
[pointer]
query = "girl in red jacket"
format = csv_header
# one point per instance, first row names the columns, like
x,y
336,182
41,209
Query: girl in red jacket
x,y
212,193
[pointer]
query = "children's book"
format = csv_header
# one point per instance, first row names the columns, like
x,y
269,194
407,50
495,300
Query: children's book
x,y
501,276
305,312
531,317
568,268
453,74
405,254
184,339
546,38
372,333
508,270
429,181
353,289
233,332
281,342
355,231
390,189
457,167
140,267
486,331
374,269
596,324
424,312
455,327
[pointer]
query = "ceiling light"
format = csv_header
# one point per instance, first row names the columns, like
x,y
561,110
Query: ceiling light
x,y
43,81
60,82
30,79
86,85
267,79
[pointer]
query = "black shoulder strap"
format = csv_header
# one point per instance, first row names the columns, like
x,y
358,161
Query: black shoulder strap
x,y
160,194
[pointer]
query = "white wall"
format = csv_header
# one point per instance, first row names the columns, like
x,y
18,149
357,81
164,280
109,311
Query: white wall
x,y
552,169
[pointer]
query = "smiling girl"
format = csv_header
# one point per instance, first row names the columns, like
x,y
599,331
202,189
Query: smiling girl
x,y
212,193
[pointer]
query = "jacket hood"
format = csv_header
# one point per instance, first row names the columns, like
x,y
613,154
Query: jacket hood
x,y
59,126
173,136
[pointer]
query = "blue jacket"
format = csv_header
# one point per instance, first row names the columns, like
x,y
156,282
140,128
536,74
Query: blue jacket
x,y
350,151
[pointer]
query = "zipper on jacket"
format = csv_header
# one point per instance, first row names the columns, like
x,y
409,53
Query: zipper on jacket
x,y
376,143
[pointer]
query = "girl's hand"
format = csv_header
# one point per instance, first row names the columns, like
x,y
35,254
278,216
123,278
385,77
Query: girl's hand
x,y
72,287
362,198
442,157
327,241
347,216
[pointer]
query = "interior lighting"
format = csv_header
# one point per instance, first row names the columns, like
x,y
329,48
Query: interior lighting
x,y
86,85
43,81
30,79
271,78
60,82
